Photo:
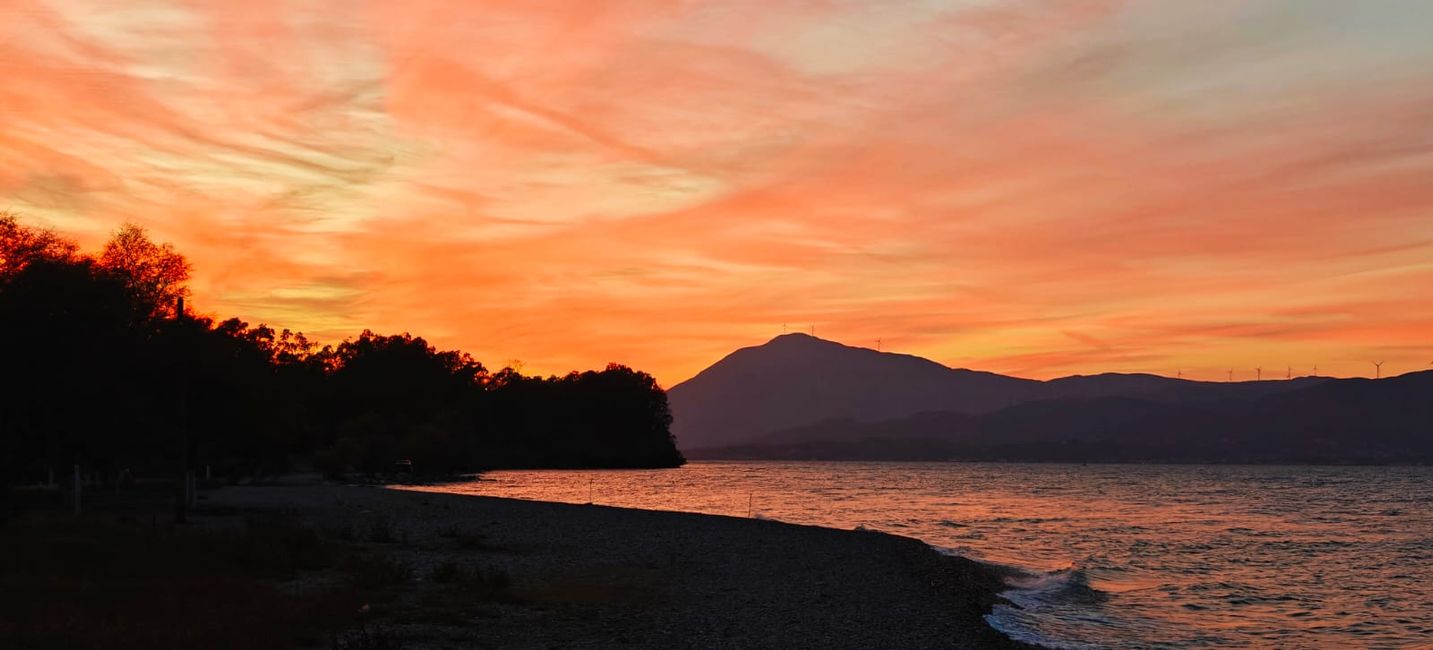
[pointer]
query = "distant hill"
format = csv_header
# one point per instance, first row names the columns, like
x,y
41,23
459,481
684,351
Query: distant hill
x,y
800,386
1332,421
796,379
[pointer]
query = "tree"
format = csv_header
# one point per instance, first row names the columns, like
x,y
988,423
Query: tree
x,y
20,245
154,273
101,378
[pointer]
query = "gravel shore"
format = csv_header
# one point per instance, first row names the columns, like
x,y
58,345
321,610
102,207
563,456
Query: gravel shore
x,y
599,577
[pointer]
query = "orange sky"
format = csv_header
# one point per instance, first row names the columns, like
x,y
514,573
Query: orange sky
x,y
1033,187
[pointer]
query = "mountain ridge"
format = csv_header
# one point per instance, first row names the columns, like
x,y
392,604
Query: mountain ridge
x,y
798,390
1351,421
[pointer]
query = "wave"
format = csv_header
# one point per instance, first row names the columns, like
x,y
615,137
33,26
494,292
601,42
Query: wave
x,y
1071,585
1038,597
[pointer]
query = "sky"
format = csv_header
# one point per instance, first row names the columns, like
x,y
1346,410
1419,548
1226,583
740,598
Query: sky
x,y
1033,187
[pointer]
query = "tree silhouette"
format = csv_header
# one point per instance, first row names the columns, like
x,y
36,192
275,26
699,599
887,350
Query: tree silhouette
x,y
105,377
20,245
154,273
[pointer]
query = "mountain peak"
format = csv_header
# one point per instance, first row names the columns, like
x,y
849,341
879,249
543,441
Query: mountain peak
x,y
797,378
801,339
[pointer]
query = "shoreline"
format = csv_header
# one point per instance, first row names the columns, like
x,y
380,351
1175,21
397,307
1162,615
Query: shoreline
x,y
601,576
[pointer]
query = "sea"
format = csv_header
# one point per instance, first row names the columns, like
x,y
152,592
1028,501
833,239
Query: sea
x,y
1108,556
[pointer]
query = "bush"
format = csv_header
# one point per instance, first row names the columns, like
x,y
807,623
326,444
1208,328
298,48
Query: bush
x,y
363,639
342,531
492,584
375,571
382,530
272,545
466,538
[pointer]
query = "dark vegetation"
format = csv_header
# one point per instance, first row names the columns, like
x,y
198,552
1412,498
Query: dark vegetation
x,y
103,371
130,582
124,576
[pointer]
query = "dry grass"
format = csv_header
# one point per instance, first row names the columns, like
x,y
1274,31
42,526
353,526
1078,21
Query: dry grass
x,y
92,584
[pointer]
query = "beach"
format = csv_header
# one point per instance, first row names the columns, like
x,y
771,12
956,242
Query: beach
x,y
584,576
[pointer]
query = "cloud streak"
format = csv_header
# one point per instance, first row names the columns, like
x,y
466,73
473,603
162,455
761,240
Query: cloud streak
x,y
1034,186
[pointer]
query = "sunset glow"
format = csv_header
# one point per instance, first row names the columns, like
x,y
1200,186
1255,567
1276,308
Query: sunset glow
x,y
1031,187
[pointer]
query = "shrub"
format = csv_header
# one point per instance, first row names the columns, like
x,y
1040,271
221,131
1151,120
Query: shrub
x,y
490,584
342,531
382,531
363,639
271,545
465,538
375,571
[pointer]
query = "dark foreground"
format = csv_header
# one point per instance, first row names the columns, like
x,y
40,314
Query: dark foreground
x,y
351,567
591,576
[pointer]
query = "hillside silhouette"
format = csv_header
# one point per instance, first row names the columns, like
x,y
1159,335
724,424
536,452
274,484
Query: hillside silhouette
x,y
798,397
106,370
797,379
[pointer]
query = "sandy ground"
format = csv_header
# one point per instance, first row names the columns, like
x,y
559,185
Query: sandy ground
x,y
599,577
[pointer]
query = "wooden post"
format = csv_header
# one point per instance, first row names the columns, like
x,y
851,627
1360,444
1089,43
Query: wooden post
x,y
77,489
182,486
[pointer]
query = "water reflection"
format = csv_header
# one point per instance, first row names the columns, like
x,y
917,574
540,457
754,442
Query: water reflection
x,y
1119,555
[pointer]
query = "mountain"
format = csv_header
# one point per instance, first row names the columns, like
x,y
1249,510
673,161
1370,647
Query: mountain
x,y
797,381
1332,421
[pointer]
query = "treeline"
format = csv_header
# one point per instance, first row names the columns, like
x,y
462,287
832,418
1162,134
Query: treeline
x,y
102,370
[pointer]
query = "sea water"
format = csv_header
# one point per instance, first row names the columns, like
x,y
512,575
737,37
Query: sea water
x,y
1110,556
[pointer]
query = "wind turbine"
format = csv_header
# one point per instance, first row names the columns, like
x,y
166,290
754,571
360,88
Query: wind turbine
x,y
1377,369
1259,372
1231,374
1290,374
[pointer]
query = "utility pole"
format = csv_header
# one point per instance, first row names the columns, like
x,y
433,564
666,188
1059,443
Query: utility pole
x,y
183,496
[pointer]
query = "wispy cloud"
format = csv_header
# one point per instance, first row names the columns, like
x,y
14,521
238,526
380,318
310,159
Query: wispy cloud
x,y
1031,186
